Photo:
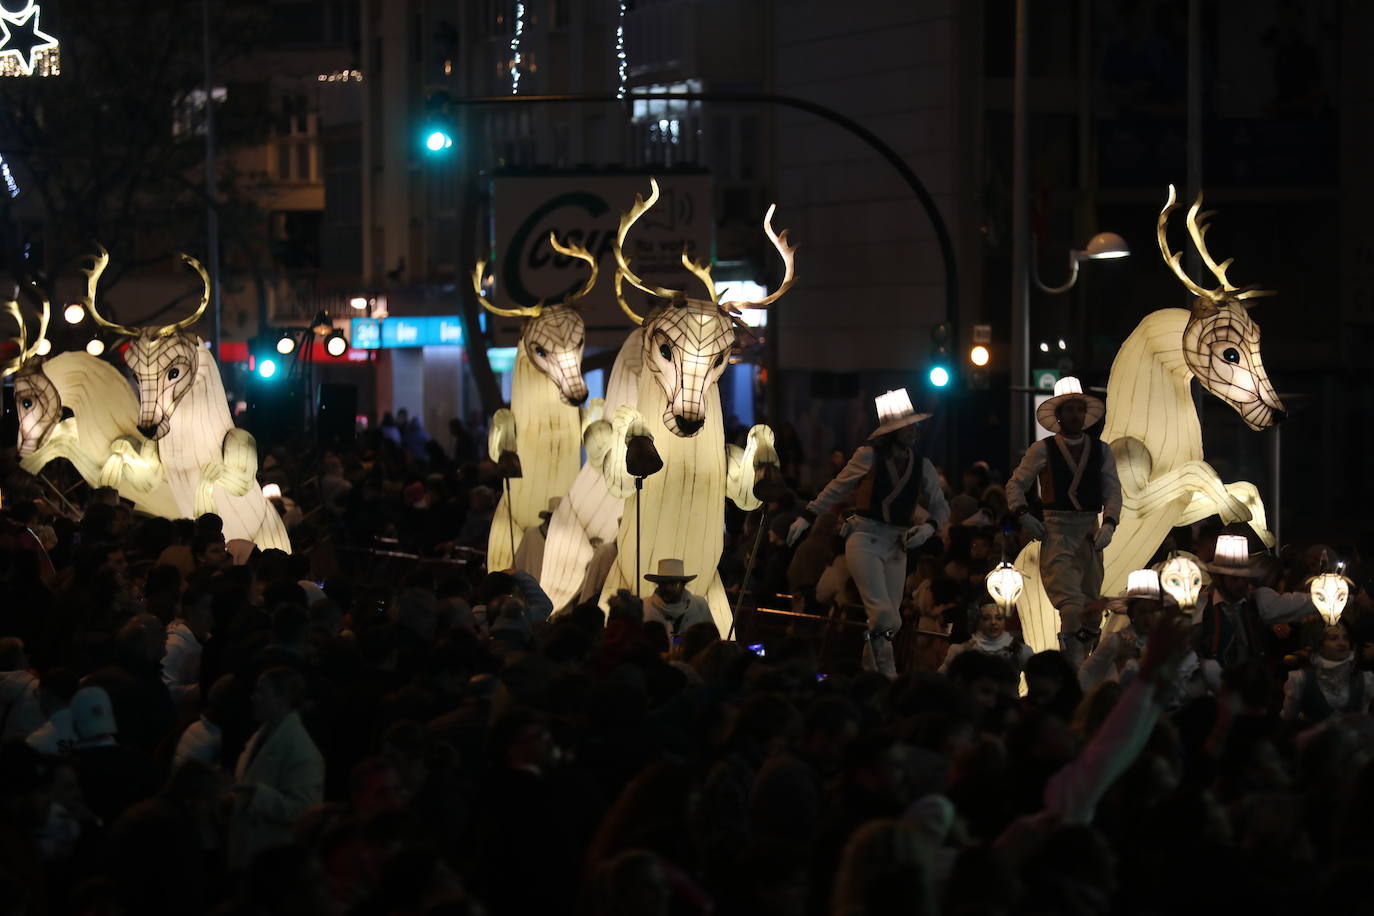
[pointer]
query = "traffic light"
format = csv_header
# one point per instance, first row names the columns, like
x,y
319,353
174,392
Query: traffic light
x,y
437,139
266,360
941,371
979,356
437,133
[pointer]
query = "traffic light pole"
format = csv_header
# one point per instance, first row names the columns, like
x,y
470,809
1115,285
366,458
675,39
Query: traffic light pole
x,y
876,143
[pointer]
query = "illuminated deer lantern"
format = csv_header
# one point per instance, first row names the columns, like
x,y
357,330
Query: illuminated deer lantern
x,y
80,408
1153,427
210,465
546,411
685,344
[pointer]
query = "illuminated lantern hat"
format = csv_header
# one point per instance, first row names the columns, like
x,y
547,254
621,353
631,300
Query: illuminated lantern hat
x,y
894,412
1330,591
1144,583
1066,389
1232,557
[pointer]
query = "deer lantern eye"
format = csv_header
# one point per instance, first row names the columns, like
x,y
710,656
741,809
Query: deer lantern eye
x,y
1231,355
27,403
173,374
665,351
719,360
540,351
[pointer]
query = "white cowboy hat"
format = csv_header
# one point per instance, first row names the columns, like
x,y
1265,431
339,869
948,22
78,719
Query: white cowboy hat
x,y
1066,389
1232,558
894,412
670,569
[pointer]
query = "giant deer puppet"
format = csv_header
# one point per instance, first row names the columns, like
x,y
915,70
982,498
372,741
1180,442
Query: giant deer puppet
x,y
1152,424
80,408
210,465
685,345
546,410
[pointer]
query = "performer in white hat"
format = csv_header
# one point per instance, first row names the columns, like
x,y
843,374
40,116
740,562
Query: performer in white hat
x,y
1117,656
1077,477
671,603
888,480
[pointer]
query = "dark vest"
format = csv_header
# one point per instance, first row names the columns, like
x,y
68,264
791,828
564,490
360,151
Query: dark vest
x,y
1313,703
1231,638
1057,475
879,484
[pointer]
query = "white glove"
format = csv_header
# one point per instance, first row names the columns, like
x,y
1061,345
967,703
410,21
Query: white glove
x,y
1033,526
917,536
1103,536
799,526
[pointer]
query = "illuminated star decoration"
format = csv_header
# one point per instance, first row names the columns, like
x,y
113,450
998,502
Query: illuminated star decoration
x,y
24,39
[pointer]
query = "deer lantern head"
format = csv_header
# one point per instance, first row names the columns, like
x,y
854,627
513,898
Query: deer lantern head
x,y
687,341
163,360
554,336
37,404
1221,344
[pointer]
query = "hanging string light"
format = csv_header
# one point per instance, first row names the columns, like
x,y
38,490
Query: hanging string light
x,y
516,56
621,62
11,185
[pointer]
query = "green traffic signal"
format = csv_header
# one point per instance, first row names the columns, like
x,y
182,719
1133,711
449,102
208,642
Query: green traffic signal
x,y
437,139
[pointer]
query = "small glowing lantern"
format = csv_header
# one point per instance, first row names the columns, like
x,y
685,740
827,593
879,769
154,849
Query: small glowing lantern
x,y
1329,594
1004,584
1233,551
1143,583
95,346
1330,591
271,491
74,313
893,405
1181,578
43,347
358,302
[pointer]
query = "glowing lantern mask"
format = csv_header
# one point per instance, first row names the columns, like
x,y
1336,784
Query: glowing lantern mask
x,y
1181,578
1329,593
1004,585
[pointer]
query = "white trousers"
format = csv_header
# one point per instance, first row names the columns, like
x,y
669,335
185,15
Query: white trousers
x,y
877,562
1069,566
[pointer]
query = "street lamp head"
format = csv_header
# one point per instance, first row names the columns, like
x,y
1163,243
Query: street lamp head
x,y
1105,246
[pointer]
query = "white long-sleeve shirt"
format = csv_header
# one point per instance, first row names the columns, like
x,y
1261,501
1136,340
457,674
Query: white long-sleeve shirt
x,y
1037,458
181,664
839,490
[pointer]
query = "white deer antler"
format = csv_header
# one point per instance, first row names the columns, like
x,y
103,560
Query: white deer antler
x,y
1197,229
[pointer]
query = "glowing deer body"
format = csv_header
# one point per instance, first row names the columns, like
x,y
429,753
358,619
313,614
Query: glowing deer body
x,y
545,420
589,513
684,347
1152,425
210,465
80,408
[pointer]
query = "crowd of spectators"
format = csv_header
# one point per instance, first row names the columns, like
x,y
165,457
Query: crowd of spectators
x,y
376,723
